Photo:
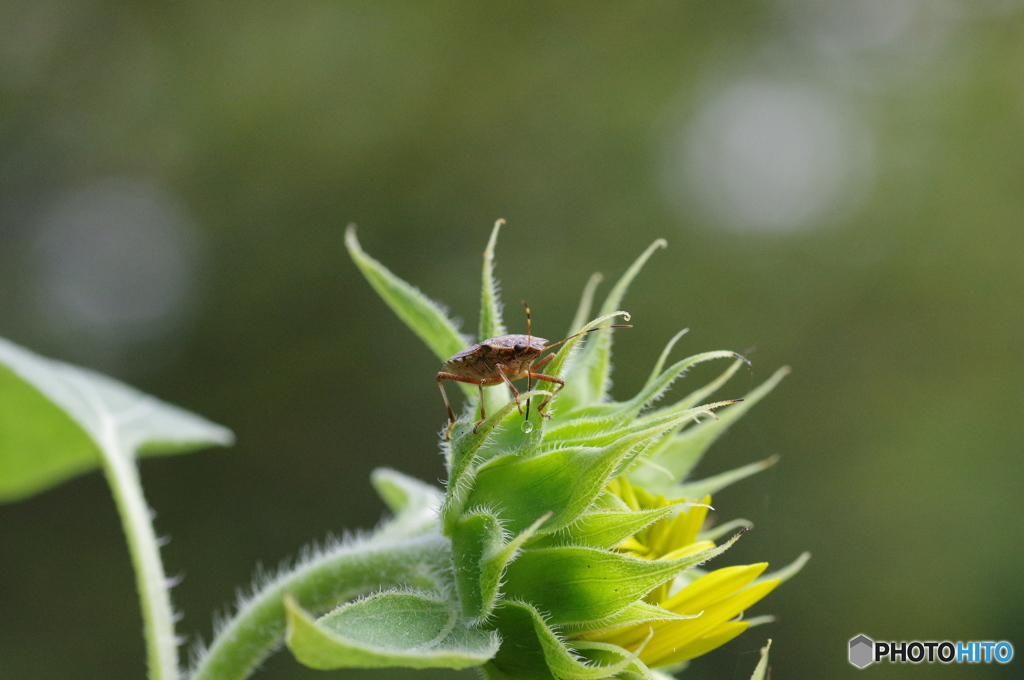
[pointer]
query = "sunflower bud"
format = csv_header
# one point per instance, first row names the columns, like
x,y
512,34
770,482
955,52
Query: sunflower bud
x,y
575,537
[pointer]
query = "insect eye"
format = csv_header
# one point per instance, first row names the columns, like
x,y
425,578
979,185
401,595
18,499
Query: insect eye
x,y
519,348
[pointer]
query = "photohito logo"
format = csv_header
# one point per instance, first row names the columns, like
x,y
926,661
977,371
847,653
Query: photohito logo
x,y
864,651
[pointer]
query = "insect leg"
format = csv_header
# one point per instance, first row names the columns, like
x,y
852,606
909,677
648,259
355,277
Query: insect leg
x,y
483,413
552,379
508,381
481,383
533,372
529,343
446,376
543,362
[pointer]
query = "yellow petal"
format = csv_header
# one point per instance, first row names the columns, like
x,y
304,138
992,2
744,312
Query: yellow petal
x,y
674,635
715,639
692,521
625,492
691,549
713,587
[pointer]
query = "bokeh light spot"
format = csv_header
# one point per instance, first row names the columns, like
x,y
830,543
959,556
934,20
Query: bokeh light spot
x,y
117,263
842,26
763,155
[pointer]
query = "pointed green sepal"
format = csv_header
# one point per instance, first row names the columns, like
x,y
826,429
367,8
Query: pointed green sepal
x,y
716,532
605,528
579,584
426,318
591,375
474,536
701,394
392,628
647,429
558,364
464,452
761,672
540,654
635,614
787,572
491,324
675,459
563,482
496,558
663,357
655,388
480,552
712,485
586,302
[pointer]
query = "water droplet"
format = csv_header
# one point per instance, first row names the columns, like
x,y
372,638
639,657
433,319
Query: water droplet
x,y
527,426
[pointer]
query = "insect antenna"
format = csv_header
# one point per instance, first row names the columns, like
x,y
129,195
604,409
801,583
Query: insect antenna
x,y
529,344
589,330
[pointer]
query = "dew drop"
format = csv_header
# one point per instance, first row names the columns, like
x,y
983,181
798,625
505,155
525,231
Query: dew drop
x,y
527,426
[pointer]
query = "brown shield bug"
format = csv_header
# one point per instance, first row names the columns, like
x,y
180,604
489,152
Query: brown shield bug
x,y
501,360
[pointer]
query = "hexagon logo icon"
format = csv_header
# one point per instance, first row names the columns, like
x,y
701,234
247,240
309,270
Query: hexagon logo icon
x,y
862,651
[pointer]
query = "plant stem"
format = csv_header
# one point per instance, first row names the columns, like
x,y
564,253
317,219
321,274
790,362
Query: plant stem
x,y
318,583
158,618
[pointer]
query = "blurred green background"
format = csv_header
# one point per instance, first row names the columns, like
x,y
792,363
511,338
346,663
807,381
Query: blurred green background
x,y
840,183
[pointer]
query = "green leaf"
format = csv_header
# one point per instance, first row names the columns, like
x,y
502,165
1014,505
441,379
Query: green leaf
x,y
404,629
491,324
319,582
56,419
402,493
579,584
415,503
426,318
40,445
59,420
761,672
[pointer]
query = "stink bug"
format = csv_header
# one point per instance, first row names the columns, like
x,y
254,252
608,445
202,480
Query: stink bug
x,y
502,360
